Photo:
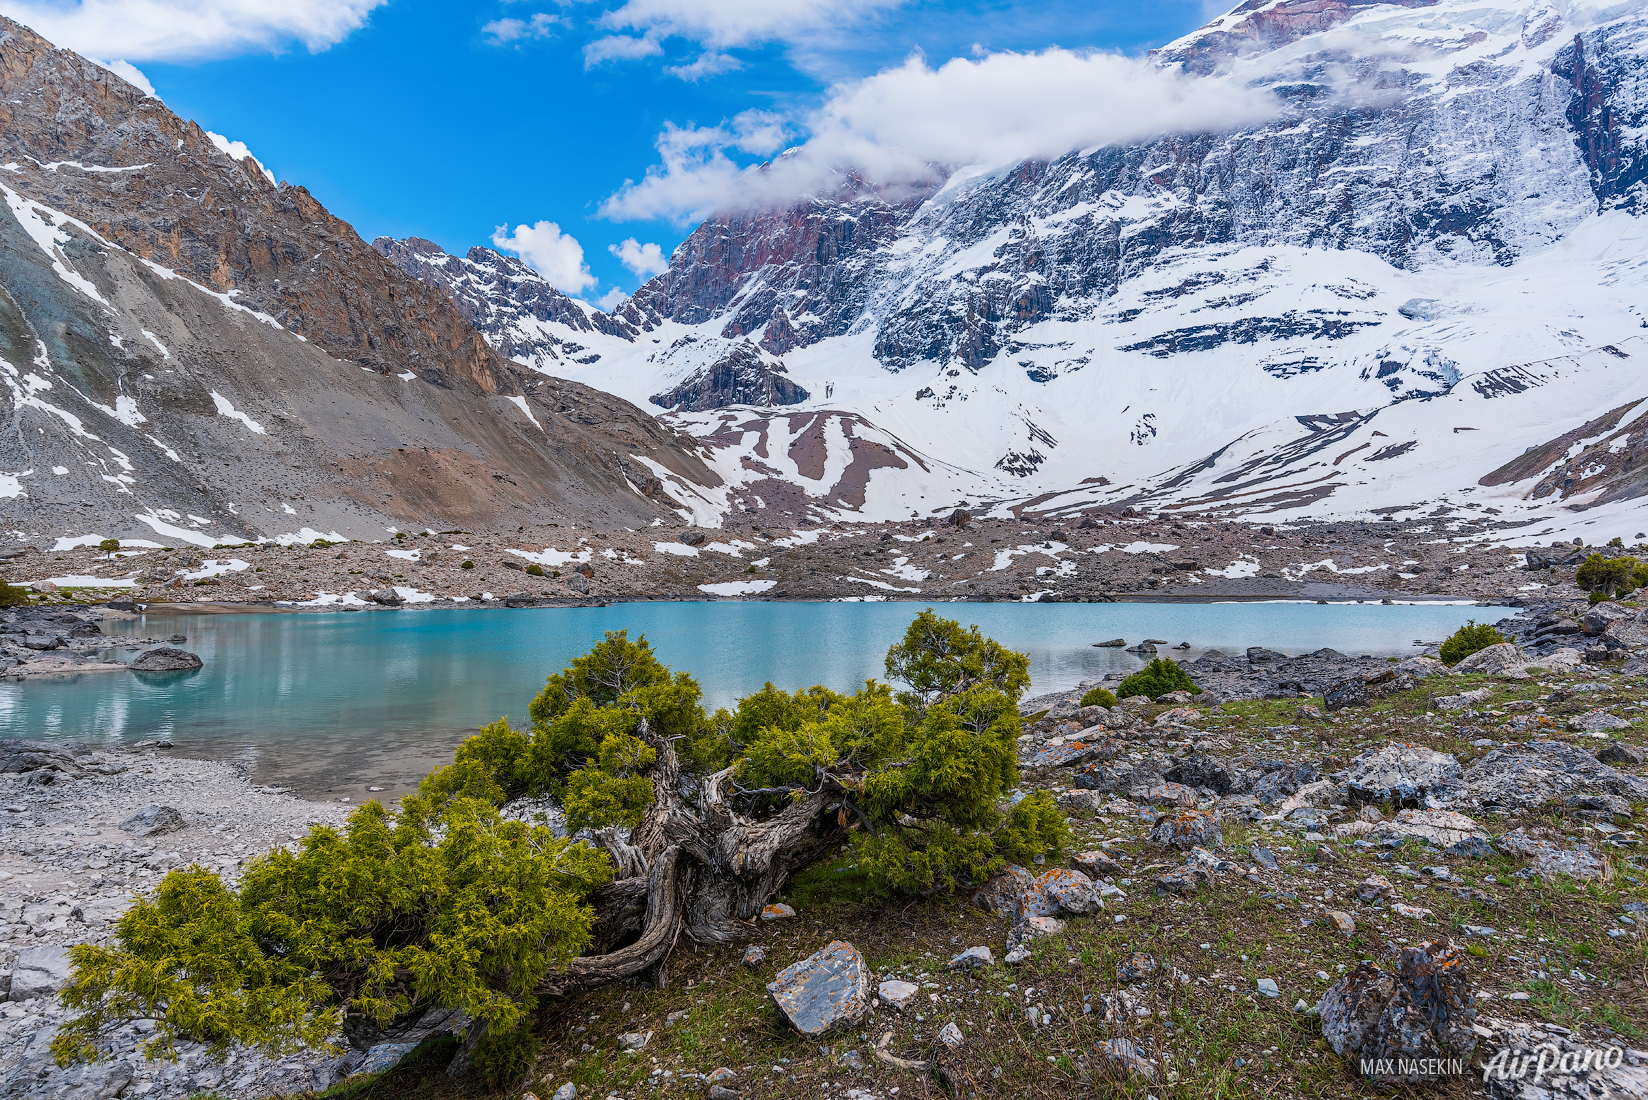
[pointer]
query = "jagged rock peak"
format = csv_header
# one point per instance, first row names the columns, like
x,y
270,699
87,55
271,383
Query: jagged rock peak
x,y
740,377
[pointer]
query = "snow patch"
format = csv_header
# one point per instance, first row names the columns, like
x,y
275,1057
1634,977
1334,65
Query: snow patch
x,y
226,409
737,588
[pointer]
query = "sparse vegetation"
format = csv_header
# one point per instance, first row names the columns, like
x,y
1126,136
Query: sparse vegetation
x,y
1468,639
1156,679
1099,697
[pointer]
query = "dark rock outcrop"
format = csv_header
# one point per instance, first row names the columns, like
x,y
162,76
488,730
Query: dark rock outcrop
x,y
741,377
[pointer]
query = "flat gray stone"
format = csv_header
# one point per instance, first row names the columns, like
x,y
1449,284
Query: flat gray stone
x,y
40,972
823,992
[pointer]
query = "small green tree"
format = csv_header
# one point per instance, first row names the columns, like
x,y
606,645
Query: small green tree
x,y
1156,679
1099,697
12,595
1467,640
1608,575
109,546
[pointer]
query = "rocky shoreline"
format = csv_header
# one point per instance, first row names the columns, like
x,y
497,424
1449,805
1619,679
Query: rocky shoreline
x,y
961,558
84,830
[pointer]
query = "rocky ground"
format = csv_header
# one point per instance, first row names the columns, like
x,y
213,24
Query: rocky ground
x,y
1255,873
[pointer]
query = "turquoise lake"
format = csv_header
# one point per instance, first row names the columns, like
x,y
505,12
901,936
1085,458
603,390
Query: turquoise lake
x,y
333,703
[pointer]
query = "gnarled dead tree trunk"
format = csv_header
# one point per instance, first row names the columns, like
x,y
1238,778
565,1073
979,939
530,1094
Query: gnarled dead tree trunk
x,y
706,870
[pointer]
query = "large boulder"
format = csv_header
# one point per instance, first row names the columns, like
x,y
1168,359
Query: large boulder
x,y
19,757
40,972
1550,860
153,821
1503,659
823,992
1521,777
1408,775
165,659
1003,893
1399,1023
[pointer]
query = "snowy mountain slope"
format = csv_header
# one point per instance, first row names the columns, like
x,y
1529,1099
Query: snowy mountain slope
x,y
189,348
1451,189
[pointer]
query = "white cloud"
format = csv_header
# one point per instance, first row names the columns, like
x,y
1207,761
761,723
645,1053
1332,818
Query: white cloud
x,y
643,260
914,124
131,74
707,64
556,256
611,300
719,24
620,47
185,30
502,31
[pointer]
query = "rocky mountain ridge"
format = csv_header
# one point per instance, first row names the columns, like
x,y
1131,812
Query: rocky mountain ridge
x,y
195,352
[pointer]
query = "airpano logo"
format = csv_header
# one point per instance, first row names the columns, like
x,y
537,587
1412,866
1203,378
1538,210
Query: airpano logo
x,y
1548,1058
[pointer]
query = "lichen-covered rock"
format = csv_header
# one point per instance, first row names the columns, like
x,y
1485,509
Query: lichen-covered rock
x,y
974,958
1410,775
1171,794
1136,967
897,994
1464,700
823,992
165,658
1060,890
1597,720
1189,829
1393,1020
1095,864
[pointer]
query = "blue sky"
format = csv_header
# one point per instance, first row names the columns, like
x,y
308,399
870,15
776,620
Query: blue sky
x,y
446,121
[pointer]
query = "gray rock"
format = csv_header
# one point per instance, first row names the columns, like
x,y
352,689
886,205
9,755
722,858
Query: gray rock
x,y
1519,1044
1095,864
1621,752
754,956
1264,857
578,583
1550,860
950,1035
386,597
1198,770
1267,987
1114,643
37,1075
1060,890
40,972
897,994
178,639
1122,1056
1395,1019
1521,777
165,659
154,821
568,1091
1594,721
634,1040
1496,660
1465,700
824,992
1409,775
974,958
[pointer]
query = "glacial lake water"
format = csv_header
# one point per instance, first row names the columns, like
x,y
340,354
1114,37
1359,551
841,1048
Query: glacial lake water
x,y
335,703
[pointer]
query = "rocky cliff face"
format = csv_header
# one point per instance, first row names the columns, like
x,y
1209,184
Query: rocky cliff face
x,y
192,349
741,377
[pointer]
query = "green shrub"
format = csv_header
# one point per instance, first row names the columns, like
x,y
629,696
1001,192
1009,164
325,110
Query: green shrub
x,y
1467,640
1156,679
108,546
12,595
1610,575
443,902
321,544
535,569
467,564
1597,597
503,1058
1098,697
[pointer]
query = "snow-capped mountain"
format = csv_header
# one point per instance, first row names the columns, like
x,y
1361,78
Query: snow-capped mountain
x,y
190,349
1431,260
